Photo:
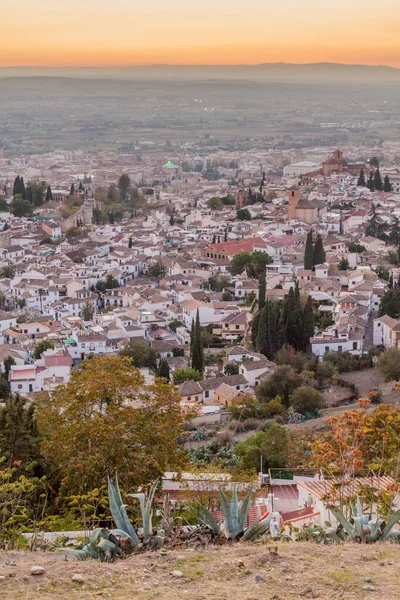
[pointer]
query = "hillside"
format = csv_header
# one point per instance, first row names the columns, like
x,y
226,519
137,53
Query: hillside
x,y
301,570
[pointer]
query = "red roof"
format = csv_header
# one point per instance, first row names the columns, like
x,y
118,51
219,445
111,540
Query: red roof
x,y
238,246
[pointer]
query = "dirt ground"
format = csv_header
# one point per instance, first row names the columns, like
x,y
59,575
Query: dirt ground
x,y
241,571
370,379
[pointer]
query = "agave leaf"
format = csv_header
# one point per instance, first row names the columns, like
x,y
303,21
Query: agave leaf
x,y
359,508
339,516
226,509
97,535
207,519
244,513
358,528
118,511
235,510
395,518
256,531
331,534
375,530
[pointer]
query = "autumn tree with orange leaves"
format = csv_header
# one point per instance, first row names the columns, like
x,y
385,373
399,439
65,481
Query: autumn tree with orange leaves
x,y
104,420
359,443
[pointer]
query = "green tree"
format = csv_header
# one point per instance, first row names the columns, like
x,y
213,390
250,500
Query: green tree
x,y
197,349
243,214
171,220
8,363
215,203
389,364
272,446
7,272
254,263
140,354
72,190
157,270
387,186
239,263
189,374
130,243
374,162
262,287
370,182
309,252
40,347
163,369
87,311
361,180
378,185
319,256
219,282
394,235
390,303
105,421
20,207
4,207
19,437
281,383
343,264
306,399
124,184
308,322
49,194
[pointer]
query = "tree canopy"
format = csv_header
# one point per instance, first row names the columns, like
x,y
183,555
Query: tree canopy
x,y
104,421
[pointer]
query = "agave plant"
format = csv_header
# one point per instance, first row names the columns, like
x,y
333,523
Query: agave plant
x,y
362,527
234,523
118,511
103,544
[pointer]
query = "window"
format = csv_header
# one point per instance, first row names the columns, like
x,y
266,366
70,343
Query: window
x,y
207,394
326,348
354,345
378,323
20,386
237,326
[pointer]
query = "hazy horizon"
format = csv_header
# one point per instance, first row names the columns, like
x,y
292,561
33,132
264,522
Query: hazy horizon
x,y
227,32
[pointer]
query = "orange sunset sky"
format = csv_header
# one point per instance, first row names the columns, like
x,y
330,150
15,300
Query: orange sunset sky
x,y
133,32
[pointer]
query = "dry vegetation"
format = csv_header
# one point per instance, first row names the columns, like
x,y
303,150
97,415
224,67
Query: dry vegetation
x,y
300,570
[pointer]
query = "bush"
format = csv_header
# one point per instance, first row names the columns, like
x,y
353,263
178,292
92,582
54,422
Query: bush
x,y
306,400
282,383
389,364
274,407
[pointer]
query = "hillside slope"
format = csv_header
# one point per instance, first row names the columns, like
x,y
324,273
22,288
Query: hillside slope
x,y
300,570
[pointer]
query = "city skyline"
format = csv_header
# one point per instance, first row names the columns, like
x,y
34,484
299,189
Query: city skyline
x,y
88,33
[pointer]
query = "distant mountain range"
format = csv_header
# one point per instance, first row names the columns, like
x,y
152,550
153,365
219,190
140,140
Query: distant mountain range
x,y
312,72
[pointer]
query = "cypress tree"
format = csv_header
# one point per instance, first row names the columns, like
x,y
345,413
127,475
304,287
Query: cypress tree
x,y
29,194
17,186
262,342
197,351
370,182
163,369
23,190
308,322
308,252
387,186
295,330
72,190
226,235
171,220
49,194
361,180
319,256
192,334
378,180
80,186
130,243
214,240
254,329
261,289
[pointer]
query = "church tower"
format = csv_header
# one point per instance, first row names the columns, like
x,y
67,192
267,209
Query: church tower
x,y
294,197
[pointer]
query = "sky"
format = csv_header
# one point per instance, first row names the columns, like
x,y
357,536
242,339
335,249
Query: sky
x,y
129,32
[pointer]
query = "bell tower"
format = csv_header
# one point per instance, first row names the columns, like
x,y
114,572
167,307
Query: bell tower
x,y
294,197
